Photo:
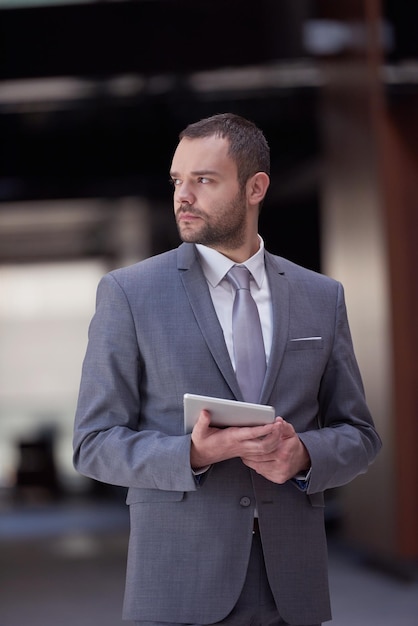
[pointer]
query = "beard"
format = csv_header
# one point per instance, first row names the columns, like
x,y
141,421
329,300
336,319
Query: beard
x,y
225,227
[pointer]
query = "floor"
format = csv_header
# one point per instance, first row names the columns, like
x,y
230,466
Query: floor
x,y
63,564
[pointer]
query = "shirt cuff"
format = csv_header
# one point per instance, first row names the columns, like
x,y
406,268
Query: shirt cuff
x,y
199,473
302,479
200,470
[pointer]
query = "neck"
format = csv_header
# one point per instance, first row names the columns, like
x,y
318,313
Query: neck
x,y
243,253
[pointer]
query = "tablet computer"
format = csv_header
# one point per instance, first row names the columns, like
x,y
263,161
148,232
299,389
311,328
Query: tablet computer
x,y
225,412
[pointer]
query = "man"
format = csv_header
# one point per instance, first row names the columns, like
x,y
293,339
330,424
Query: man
x,y
227,525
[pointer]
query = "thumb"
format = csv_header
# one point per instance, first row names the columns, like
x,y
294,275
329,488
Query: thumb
x,y
203,421
287,430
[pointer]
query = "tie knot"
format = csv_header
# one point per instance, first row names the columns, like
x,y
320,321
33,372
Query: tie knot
x,y
239,277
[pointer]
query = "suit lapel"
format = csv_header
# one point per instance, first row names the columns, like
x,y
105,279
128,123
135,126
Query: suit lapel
x,y
279,289
200,301
198,294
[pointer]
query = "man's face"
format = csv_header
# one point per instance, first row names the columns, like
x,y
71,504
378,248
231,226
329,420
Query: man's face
x,y
210,208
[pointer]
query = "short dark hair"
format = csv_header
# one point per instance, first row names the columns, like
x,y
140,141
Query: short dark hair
x,y
247,145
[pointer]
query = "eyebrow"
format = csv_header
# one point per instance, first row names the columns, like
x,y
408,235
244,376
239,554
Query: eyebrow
x,y
198,173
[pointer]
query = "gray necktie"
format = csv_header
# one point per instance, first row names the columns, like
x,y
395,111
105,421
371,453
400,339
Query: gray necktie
x,y
250,357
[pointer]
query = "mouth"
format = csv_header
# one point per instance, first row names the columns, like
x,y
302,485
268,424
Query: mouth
x,y
187,216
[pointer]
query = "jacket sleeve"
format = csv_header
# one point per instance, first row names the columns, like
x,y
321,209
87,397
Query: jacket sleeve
x,y
110,444
346,442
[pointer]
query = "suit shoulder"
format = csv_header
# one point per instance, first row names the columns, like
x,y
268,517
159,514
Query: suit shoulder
x,y
150,267
296,272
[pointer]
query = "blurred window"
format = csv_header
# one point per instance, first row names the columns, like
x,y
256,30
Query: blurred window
x,y
45,311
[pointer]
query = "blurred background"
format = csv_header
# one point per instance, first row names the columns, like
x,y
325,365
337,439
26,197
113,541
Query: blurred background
x,y
92,98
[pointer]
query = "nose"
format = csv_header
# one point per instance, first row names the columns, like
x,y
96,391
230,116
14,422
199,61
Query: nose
x,y
184,193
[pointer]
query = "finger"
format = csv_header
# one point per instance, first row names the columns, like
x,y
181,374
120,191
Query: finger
x,y
287,430
203,422
248,433
287,427
204,417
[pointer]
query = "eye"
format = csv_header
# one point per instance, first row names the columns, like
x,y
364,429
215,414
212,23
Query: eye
x,y
203,179
175,182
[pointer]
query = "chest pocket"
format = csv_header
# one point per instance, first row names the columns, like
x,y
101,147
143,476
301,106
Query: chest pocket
x,y
314,342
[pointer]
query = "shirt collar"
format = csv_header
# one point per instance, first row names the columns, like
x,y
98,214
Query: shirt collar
x,y
215,265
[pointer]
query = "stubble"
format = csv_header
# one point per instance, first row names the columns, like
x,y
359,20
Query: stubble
x,y
223,228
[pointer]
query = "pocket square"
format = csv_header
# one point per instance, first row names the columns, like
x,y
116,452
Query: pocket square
x,y
307,339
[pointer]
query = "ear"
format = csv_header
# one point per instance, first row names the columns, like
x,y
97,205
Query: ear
x,y
257,187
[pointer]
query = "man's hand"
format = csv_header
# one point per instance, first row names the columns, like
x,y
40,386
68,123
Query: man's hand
x,y
273,450
288,459
212,445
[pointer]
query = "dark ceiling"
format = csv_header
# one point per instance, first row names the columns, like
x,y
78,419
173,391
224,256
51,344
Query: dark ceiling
x,y
106,143
74,147
115,145
147,37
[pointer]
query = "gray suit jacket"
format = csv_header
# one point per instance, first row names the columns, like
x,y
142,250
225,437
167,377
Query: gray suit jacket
x,y
155,336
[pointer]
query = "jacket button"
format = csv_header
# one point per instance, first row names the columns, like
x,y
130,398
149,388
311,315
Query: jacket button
x,y
245,501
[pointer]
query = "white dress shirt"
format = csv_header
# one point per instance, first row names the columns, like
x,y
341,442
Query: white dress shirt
x,y
215,267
